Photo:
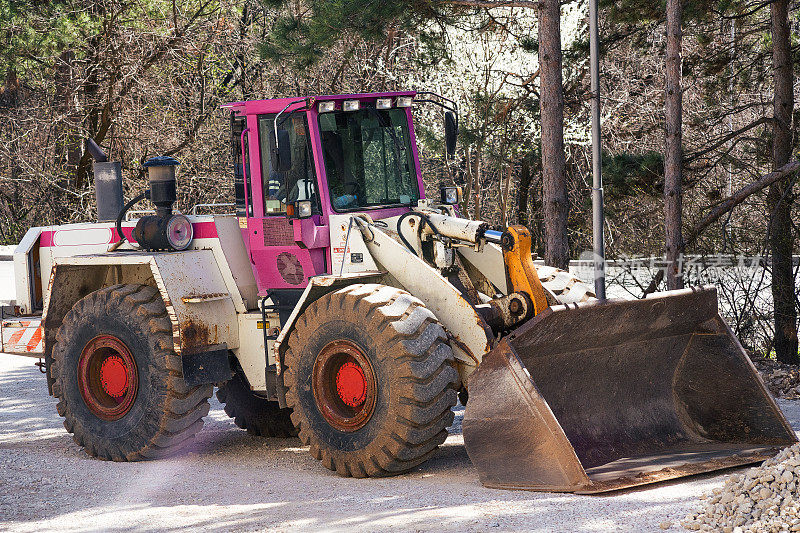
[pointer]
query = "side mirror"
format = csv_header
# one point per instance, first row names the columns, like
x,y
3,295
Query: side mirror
x,y
450,132
282,153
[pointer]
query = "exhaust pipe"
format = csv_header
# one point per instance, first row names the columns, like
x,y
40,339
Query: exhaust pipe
x,y
107,183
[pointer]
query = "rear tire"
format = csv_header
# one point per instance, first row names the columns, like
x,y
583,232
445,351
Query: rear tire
x,y
259,416
371,380
118,380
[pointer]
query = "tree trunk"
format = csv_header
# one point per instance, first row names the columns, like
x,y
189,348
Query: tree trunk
x,y
779,199
525,178
505,189
551,101
468,185
673,150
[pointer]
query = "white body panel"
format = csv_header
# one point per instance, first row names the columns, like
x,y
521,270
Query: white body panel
x,y
8,289
251,354
228,249
198,302
24,271
489,261
233,261
344,247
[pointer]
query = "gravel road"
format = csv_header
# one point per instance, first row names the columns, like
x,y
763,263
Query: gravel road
x,y
230,481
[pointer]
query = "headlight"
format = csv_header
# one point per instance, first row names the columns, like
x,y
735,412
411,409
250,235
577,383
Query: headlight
x,y
326,107
179,232
351,105
404,101
383,103
451,195
304,209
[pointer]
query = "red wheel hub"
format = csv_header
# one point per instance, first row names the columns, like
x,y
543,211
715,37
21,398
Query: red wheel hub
x,y
114,376
351,384
344,385
107,377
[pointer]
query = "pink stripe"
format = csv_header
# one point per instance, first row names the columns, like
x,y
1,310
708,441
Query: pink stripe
x,y
205,230
202,230
46,239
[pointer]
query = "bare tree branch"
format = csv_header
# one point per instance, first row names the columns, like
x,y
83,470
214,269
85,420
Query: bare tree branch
x,y
726,138
738,197
725,206
490,4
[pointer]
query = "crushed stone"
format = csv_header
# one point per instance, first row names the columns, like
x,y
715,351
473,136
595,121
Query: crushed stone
x,y
762,499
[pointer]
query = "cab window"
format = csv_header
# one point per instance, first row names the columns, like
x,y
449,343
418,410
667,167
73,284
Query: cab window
x,y
299,182
238,125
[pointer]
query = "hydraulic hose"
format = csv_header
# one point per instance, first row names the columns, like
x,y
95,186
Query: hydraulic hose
x,y
121,217
422,217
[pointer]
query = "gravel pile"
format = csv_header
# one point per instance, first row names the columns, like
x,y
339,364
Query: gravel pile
x,y
783,381
765,498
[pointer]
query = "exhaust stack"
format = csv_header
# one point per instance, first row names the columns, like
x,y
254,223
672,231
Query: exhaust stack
x,y
107,183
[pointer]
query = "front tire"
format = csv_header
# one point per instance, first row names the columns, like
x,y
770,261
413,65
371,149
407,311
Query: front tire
x,y
371,380
118,380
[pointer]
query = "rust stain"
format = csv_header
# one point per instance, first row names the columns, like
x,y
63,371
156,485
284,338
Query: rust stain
x,y
689,469
194,336
205,297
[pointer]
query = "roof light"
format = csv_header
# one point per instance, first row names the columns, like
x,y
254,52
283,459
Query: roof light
x,y
383,103
404,101
351,105
326,107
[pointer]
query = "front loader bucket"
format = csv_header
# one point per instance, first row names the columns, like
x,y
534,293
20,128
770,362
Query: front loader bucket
x,y
596,396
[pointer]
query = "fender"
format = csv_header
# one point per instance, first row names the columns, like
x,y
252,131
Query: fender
x,y
317,287
194,292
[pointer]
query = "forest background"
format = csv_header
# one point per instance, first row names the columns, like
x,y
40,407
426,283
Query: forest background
x,y
147,78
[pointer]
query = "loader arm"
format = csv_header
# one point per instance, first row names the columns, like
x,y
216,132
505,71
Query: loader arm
x,y
470,336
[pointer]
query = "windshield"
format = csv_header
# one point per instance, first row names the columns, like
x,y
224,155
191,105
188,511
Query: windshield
x,y
368,158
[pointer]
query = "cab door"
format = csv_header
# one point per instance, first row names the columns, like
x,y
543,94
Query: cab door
x,y
281,257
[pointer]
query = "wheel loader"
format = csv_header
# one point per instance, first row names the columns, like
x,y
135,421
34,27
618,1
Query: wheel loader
x,y
343,303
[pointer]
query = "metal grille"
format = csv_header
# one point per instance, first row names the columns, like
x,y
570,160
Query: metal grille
x,y
278,232
290,268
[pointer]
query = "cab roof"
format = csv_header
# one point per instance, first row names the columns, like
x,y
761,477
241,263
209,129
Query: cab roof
x,y
275,105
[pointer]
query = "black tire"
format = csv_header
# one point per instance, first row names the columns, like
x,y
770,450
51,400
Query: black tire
x,y
164,414
414,376
259,416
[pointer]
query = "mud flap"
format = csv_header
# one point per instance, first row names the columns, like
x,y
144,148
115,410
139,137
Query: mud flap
x,y
208,364
594,397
